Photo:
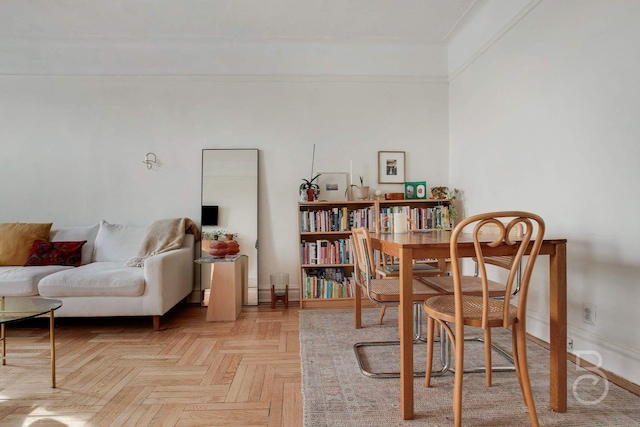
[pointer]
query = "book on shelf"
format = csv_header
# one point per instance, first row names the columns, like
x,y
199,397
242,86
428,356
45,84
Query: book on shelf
x,y
324,251
326,282
336,219
421,218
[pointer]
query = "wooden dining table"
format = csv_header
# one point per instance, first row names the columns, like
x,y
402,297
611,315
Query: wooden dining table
x,y
436,244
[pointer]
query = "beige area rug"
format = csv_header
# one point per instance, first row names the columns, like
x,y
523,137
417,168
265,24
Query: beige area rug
x,y
337,394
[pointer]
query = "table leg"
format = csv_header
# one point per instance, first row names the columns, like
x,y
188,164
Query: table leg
x,y
405,319
4,345
558,328
52,338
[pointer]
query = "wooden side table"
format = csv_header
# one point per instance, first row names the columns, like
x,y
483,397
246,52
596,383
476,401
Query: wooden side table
x,y
229,276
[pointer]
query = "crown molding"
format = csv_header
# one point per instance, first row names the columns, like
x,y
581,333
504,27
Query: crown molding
x,y
469,37
247,78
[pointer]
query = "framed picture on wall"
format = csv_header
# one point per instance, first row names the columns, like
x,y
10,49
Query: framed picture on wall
x,y
391,167
333,186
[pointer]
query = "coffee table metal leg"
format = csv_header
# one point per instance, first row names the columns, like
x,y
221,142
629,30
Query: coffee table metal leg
x,y
52,338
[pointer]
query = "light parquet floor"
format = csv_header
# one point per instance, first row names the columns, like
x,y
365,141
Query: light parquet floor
x,y
120,372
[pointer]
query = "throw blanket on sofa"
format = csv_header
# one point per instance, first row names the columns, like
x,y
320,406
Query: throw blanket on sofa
x,y
164,235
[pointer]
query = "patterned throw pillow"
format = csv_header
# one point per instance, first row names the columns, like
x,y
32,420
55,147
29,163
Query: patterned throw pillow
x,y
16,239
55,253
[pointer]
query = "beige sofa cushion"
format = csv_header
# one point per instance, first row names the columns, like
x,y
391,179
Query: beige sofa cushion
x,y
16,239
117,243
95,279
18,281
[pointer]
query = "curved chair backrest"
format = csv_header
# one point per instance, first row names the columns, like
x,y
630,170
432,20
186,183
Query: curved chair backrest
x,y
505,223
503,261
364,265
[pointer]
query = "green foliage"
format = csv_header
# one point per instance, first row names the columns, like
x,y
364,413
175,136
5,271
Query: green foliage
x,y
445,193
216,234
309,183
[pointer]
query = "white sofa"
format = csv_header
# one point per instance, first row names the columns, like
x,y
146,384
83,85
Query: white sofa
x,y
103,285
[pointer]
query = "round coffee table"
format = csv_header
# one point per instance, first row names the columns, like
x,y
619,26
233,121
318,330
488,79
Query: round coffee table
x,y
15,309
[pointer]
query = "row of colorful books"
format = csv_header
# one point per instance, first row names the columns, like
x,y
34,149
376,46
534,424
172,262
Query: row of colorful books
x,y
326,283
336,219
323,251
437,217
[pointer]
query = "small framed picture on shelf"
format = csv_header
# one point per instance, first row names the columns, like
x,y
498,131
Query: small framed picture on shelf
x,y
415,190
333,186
391,167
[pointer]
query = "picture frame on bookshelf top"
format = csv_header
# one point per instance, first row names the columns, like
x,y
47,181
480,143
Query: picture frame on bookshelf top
x,y
415,190
333,186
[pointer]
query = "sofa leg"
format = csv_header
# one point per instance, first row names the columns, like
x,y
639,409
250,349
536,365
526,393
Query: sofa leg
x,y
156,323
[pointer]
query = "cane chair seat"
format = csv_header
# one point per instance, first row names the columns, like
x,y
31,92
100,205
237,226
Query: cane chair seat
x,y
388,270
471,310
471,285
388,290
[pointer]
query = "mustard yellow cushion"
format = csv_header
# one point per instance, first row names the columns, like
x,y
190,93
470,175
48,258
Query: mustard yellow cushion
x,y
16,239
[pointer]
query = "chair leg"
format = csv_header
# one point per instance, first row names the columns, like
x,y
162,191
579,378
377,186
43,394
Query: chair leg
x,y
357,301
382,311
457,387
524,372
514,342
487,356
430,327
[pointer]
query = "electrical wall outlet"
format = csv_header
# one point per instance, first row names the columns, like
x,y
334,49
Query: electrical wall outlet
x,y
569,343
589,313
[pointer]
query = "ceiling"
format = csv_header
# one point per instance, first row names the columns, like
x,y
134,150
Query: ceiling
x,y
379,21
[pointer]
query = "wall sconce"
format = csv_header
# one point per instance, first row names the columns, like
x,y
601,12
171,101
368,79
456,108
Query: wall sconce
x,y
150,159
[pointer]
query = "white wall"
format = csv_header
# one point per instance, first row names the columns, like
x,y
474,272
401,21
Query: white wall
x,y
72,146
547,120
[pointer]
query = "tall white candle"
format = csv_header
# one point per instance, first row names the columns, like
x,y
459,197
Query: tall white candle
x,y
350,171
400,222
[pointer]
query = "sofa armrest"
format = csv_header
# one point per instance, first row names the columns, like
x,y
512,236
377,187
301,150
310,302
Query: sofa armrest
x,y
169,276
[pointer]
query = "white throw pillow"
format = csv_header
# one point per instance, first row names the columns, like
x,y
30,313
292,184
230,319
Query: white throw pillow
x,y
76,234
117,243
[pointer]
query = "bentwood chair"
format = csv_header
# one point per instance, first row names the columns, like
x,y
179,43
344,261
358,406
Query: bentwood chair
x,y
472,285
382,292
485,312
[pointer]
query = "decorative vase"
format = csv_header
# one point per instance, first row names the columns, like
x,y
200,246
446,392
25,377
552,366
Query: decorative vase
x,y
232,246
361,193
311,193
218,248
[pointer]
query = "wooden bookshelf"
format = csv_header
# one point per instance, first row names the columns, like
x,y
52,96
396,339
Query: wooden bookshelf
x,y
324,232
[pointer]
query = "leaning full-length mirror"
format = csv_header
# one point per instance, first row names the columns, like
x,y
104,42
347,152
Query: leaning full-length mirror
x,y
230,203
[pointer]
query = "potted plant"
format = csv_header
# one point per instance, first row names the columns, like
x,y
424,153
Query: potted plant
x,y
310,187
220,243
439,192
360,192
443,193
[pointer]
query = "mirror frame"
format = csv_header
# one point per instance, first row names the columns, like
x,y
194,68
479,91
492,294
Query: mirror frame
x,y
248,244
